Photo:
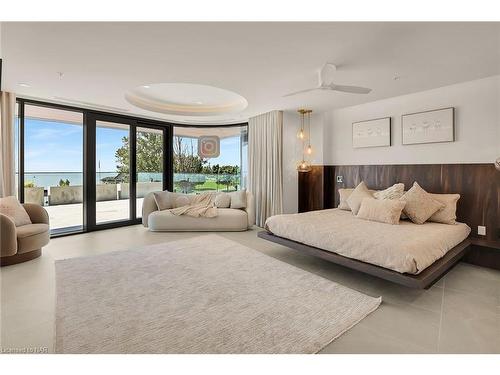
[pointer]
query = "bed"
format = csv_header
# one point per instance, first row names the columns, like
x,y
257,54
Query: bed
x,y
409,254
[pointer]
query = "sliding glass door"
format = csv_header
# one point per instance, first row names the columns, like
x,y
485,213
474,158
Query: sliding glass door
x,y
91,170
126,160
150,162
52,164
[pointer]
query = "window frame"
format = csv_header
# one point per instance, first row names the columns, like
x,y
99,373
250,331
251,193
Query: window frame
x,y
89,139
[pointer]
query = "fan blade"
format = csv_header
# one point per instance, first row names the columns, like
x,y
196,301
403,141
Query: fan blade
x,y
350,89
300,92
326,74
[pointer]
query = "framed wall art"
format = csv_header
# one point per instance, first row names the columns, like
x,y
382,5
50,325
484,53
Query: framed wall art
x,y
429,126
371,133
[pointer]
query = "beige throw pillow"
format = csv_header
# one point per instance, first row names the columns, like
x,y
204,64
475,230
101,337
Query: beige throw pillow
x,y
381,210
354,200
346,193
396,191
10,206
164,199
420,205
238,199
222,200
447,215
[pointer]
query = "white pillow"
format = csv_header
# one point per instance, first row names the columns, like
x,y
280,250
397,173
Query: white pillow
x,y
396,191
238,199
381,210
10,206
356,197
345,193
164,199
222,200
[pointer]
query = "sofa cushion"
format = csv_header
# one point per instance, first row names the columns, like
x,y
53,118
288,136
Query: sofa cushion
x,y
227,219
32,237
238,199
223,200
11,207
164,199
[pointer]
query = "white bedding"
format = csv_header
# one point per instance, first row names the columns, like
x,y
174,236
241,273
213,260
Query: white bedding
x,y
405,248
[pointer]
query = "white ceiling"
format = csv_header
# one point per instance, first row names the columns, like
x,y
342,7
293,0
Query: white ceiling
x,y
260,61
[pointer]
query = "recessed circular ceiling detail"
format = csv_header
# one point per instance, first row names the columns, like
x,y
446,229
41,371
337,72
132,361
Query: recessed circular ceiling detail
x,y
186,99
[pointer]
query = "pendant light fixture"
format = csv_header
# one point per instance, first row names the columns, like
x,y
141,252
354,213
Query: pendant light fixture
x,y
305,121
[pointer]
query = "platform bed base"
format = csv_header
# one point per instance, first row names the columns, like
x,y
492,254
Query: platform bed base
x,y
423,280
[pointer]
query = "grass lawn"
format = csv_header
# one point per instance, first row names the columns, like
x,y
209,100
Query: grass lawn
x,y
211,186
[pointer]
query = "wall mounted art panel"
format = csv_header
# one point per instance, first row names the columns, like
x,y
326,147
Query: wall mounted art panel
x,y
371,133
429,126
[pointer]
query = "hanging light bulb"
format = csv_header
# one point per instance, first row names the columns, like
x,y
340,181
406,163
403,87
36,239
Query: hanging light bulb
x,y
301,134
304,166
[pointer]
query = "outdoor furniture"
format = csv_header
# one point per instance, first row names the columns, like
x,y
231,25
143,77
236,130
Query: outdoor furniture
x,y
23,243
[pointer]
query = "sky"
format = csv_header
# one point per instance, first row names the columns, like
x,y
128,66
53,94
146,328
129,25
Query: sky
x,y
57,147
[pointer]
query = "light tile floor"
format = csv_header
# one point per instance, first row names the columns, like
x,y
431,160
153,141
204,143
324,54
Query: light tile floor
x,y
459,314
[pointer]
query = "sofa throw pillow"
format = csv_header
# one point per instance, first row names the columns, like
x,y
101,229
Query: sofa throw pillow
x,y
10,206
447,215
381,210
396,191
238,199
222,200
164,199
354,200
420,205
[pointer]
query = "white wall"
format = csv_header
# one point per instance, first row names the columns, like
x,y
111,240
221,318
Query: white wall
x,y
292,154
477,127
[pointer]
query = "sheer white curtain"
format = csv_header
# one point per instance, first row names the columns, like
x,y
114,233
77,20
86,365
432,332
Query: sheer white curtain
x,y
7,154
265,150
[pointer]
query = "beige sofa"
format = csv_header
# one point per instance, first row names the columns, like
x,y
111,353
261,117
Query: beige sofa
x,y
227,220
23,243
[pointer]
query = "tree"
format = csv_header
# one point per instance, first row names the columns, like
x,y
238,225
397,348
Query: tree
x,y
149,154
63,182
185,159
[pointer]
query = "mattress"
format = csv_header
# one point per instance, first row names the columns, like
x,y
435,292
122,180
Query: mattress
x,y
405,248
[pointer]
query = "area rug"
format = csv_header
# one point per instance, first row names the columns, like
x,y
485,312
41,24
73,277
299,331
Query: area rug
x,y
205,294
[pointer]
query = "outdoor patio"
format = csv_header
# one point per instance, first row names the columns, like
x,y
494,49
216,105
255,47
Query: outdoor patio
x,y
69,215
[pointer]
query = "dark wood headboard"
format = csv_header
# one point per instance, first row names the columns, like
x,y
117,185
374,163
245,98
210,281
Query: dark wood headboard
x,y
477,184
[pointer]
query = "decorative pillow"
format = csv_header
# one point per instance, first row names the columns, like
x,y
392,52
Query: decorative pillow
x,y
222,200
164,199
381,210
420,205
447,215
354,200
396,191
181,200
346,193
238,199
10,206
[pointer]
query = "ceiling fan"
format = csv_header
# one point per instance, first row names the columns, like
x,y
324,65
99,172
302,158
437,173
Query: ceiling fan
x,y
326,83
